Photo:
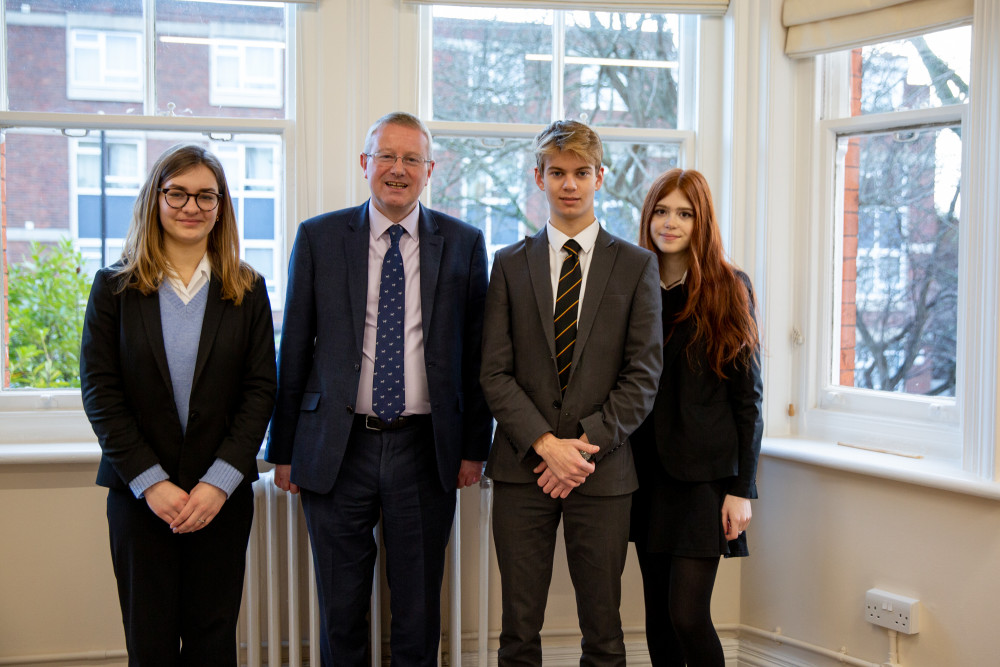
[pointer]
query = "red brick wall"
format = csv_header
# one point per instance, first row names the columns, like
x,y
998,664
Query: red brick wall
x,y
849,271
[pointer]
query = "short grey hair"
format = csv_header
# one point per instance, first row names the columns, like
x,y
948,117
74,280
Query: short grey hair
x,y
399,118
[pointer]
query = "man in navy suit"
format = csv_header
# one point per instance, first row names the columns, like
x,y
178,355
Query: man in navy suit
x,y
379,410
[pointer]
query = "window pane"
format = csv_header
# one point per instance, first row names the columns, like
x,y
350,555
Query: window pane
x,y
492,65
489,183
262,260
927,71
202,62
62,224
901,194
629,170
59,56
621,69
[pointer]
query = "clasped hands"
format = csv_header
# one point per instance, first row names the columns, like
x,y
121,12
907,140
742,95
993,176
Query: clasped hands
x,y
563,467
185,512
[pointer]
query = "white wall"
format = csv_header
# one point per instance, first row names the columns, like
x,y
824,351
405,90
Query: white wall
x,y
823,537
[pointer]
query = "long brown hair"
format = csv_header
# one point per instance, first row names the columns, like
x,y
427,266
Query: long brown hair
x,y
719,302
144,262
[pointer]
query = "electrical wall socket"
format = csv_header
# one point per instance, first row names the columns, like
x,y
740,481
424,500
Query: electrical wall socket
x,y
896,612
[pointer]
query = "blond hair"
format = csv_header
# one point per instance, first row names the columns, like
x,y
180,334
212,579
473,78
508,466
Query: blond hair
x,y
572,137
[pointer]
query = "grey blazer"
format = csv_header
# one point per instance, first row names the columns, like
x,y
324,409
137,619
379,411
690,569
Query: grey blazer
x,y
616,361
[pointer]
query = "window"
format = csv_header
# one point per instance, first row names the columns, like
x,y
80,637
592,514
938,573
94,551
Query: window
x,y
104,65
101,208
498,76
252,171
246,74
84,118
894,158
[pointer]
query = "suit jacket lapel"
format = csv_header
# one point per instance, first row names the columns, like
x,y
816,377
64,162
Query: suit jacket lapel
x,y
149,309
537,251
209,325
431,247
356,252
605,251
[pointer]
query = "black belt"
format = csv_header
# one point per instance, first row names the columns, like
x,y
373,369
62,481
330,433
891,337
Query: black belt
x,y
373,423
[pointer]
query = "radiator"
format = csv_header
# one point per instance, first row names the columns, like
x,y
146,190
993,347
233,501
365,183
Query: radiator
x,y
280,612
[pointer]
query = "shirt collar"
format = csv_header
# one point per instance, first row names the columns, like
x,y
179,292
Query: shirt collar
x,y
586,238
202,273
380,224
676,283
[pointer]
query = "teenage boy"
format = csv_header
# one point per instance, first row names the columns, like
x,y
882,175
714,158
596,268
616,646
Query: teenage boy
x,y
572,351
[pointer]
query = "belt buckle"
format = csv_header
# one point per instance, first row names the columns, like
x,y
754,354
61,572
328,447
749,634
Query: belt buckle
x,y
372,423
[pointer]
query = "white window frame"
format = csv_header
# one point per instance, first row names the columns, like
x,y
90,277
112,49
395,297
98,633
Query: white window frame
x,y
129,187
907,424
238,183
267,91
693,31
101,88
47,421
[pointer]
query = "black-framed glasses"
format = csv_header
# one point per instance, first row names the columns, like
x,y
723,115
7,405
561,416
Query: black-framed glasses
x,y
389,160
176,198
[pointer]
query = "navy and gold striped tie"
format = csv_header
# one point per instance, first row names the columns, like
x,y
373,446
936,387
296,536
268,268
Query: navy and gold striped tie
x,y
567,306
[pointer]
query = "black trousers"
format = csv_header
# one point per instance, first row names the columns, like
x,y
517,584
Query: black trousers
x,y
392,475
180,594
595,529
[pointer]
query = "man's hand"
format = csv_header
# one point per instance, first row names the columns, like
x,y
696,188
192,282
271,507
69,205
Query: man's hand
x,y
203,504
549,483
166,499
469,473
735,515
564,460
283,478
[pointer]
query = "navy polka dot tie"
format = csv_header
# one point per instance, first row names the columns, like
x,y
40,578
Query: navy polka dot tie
x,y
388,394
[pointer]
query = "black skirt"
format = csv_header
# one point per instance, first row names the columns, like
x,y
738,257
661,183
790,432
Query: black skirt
x,y
683,519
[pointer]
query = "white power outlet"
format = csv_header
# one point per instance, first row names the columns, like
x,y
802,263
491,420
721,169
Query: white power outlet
x,y
896,612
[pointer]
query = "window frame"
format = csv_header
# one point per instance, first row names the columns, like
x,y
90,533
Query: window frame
x,y
96,90
33,416
906,424
693,31
243,95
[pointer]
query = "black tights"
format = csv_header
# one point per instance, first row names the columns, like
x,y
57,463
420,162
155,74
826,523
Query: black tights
x,y
678,596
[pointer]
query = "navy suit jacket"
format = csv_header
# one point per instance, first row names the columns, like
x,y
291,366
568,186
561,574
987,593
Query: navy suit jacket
x,y
319,363
128,396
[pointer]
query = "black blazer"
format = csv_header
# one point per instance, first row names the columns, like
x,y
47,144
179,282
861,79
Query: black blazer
x,y
704,428
127,392
321,343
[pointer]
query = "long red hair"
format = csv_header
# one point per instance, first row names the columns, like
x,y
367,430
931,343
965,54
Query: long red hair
x,y
719,302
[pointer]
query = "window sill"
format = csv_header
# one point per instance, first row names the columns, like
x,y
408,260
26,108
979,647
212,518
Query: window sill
x,y
946,475
57,452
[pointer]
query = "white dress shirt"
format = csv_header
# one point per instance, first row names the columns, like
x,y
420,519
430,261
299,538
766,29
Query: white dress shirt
x,y
586,238
418,400
202,274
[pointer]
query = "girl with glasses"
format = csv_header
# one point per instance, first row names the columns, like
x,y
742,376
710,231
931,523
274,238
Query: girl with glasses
x,y
178,379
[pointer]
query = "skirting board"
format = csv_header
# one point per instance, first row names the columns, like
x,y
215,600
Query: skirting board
x,y
635,652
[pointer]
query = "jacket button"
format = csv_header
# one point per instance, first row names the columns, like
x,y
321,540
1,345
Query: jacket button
x,y
357,367
350,409
193,416
556,404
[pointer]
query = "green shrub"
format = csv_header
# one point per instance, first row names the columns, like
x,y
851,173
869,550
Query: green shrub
x,y
47,299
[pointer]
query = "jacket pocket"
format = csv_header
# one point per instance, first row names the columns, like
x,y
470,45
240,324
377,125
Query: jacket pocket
x,y
310,401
